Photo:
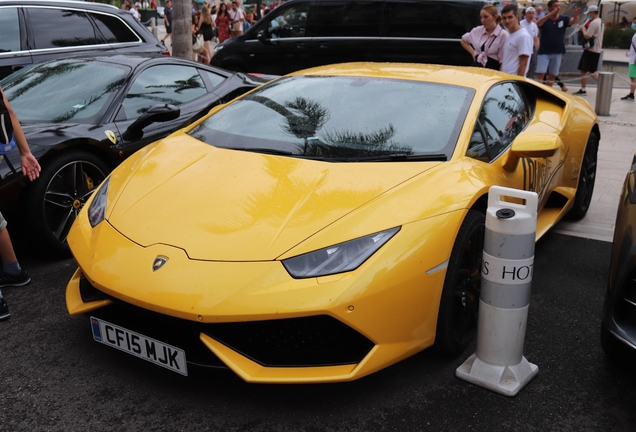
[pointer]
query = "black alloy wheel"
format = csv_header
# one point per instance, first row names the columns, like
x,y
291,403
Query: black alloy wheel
x,y
56,198
459,305
587,177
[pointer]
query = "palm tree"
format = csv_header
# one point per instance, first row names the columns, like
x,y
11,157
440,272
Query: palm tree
x,y
182,29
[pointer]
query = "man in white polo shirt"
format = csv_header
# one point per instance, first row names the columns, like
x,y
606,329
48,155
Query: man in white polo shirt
x,y
528,23
518,46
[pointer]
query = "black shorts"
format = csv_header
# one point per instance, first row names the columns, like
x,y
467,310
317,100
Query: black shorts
x,y
168,29
589,61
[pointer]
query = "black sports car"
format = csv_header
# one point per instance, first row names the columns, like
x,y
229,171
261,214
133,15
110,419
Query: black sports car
x,y
84,115
618,328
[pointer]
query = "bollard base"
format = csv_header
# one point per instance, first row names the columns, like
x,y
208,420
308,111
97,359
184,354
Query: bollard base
x,y
506,380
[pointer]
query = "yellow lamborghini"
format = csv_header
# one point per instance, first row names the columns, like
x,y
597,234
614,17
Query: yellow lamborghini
x,y
325,225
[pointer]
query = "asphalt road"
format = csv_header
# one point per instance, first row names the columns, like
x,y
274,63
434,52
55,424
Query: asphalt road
x,y
54,377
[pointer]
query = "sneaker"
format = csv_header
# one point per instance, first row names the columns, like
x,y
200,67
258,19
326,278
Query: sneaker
x,y
564,88
580,93
628,97
4,310
7,279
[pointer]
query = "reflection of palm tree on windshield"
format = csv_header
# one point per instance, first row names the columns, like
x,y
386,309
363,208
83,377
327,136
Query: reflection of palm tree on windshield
x,y
305,118
160,95
77,108
43,74
312,117
350,143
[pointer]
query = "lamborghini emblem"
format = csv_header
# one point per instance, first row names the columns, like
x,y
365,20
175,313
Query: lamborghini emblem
x,y
159,262
111,136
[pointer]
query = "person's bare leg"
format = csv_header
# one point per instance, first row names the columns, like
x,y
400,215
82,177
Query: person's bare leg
x,y
550,81
6,248
583,79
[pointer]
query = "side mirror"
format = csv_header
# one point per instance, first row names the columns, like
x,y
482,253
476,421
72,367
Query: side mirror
x,y
156,113
532,145
262,36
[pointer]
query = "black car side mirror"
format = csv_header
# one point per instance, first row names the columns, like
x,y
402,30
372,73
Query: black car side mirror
x,y
262,37
154,114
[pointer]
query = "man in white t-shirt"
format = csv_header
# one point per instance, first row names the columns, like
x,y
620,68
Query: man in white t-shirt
x,y
237,16
592,34
518,46
529,24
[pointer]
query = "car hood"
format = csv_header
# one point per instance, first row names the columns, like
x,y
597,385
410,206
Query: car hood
x,y
229,205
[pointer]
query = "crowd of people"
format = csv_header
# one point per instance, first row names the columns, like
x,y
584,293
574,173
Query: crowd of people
x,y
533,47
212,24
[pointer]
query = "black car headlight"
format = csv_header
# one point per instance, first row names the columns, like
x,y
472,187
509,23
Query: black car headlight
x,y
97,209
339,258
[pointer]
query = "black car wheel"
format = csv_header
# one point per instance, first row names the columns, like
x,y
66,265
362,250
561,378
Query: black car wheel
x,y
614,349
587,177
56,198
457,320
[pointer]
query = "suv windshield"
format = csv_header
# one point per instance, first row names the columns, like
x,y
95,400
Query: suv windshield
x,y
49,92
343,118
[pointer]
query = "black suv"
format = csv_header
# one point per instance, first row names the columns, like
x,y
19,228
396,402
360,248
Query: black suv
x,y
306,33
34,31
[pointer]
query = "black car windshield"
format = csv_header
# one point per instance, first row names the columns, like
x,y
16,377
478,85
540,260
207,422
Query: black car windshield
x,y
62,91
343,119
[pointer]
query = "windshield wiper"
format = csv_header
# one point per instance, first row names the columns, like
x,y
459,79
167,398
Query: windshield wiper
x,y
395,157
266,151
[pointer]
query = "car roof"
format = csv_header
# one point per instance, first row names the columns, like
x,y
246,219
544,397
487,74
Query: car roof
x,y
442,74
136,60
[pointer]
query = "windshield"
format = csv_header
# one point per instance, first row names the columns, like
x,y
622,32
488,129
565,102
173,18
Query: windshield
x,y
76,91
343,118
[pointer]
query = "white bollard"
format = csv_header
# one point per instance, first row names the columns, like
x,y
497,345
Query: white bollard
x,y
499,364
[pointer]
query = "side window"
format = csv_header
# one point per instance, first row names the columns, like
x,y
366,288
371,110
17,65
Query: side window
x,y
57,28
161,84
9,30
346,18
503,115
215,79
425,20
290,23
114,29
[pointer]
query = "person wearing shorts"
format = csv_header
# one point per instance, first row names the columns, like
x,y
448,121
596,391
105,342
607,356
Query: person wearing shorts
x,y
590,31
552,41
167,19
632,69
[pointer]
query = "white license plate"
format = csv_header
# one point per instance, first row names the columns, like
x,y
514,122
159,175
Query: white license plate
x,y
139,345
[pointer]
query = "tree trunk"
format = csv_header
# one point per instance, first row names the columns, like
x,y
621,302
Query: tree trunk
x,y
182,29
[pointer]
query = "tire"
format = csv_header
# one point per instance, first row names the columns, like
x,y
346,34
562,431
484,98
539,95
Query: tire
x,y
56,198
614,349
587,177
459,305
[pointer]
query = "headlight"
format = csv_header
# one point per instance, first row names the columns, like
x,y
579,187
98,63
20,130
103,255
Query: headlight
x,y
339,258
97,209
